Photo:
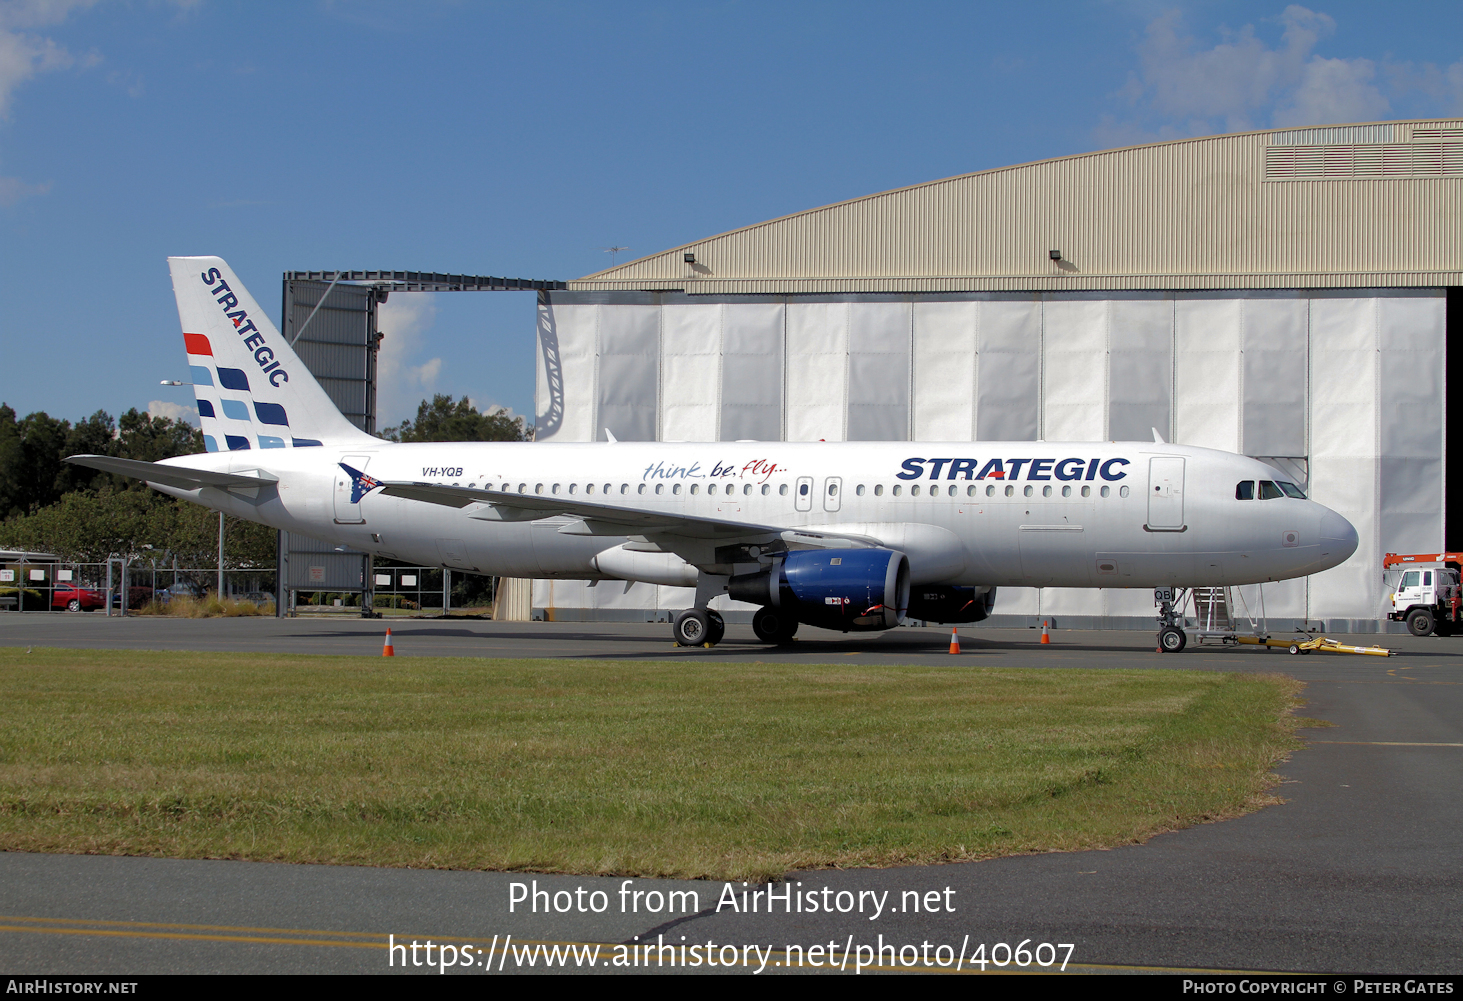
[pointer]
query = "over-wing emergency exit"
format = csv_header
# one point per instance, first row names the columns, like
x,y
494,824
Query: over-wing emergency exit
x,y
845,536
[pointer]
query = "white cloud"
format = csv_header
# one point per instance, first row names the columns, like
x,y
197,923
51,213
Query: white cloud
x,y
13,189
1444,84
1242,82
23,54
400,385
493,408
1334,90
176,411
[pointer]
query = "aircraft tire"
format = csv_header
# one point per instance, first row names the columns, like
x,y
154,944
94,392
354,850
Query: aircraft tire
x,y
692,627
1172,640
1420,622
718,627
772,626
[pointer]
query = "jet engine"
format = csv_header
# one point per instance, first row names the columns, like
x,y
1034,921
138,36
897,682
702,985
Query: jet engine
x,y
846,589
950,604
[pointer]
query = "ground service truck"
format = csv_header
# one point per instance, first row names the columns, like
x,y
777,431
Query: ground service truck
x,y
1425,591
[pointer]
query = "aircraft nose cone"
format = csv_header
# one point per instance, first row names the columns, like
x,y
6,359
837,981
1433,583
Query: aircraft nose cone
x,y
1339,532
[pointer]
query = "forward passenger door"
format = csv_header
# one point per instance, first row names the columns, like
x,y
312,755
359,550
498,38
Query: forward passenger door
x,y
1166,493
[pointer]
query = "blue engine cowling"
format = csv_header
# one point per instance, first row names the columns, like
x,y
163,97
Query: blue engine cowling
x,y
950,604
852,590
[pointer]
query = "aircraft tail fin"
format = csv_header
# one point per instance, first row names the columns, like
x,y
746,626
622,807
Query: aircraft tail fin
x,y
252,389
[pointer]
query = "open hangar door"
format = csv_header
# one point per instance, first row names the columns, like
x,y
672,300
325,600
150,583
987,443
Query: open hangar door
x,y
330,319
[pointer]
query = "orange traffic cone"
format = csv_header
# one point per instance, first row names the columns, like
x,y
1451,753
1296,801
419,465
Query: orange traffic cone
x,y
1045,636
954,640
388,650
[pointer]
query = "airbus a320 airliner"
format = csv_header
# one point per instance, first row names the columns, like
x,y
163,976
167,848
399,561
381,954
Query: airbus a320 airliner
x,y
843,536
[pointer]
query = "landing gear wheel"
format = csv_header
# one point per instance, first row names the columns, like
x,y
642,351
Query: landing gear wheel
x,y
1294,649
1420,622
692,627
74,605
717,627
1172,640
772,626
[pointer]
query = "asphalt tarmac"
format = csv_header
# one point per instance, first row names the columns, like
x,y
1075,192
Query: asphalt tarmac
x,y
1359,870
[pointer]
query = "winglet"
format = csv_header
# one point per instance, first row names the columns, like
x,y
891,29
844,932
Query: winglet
x,y
610,436
1158,438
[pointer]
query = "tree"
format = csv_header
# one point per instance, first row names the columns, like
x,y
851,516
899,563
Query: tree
x,y
88,527
34,475
443,420
86,515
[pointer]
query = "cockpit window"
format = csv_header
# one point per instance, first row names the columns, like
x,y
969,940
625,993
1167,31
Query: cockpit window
x,y
1291,490
1269,491
1244,490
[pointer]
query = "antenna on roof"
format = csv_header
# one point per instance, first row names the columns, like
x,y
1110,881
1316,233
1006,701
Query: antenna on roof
x,y
613,252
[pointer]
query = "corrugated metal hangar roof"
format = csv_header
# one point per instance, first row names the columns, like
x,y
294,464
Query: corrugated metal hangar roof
x,y
1335,207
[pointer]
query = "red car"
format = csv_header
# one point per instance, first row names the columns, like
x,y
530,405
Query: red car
x,y
76,599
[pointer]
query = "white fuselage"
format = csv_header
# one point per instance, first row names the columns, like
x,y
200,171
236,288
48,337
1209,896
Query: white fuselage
x,y
1085,514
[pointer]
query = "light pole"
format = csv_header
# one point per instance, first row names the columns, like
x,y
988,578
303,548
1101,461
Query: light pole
x,y
220,556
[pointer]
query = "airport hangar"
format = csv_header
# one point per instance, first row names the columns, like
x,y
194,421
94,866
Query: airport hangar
x,y
1286,294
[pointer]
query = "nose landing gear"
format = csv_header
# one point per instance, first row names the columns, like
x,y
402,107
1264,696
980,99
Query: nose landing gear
x,y
1171,635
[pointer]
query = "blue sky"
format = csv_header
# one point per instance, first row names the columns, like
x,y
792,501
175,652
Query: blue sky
x,y
519,139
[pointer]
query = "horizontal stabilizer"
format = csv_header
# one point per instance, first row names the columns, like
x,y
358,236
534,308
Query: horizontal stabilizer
x,y
180,477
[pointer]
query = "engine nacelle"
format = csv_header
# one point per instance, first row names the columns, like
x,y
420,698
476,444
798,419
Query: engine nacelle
x,y
950,604
852,590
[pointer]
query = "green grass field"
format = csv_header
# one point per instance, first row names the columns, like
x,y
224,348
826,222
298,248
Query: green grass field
x,y
688,768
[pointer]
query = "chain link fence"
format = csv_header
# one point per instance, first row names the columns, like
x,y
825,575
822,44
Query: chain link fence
x,y
131,586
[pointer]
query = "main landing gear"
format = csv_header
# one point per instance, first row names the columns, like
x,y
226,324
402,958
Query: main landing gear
x,y
772,626
698,627
704,627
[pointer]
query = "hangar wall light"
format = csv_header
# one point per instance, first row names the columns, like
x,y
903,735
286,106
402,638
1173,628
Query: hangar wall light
x,y
1055,255
689,258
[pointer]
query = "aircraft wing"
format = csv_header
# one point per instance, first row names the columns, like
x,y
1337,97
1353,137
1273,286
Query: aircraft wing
x,y
607,519
181,477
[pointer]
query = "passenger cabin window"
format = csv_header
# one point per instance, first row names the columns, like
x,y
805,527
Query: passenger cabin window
x,y
1244,490
1269,491
1291,490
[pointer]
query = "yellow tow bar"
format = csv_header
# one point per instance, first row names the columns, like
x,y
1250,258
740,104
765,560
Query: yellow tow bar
x,y
1323,643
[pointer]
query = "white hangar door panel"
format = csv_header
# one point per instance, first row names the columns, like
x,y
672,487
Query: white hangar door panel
x,y
1165,493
